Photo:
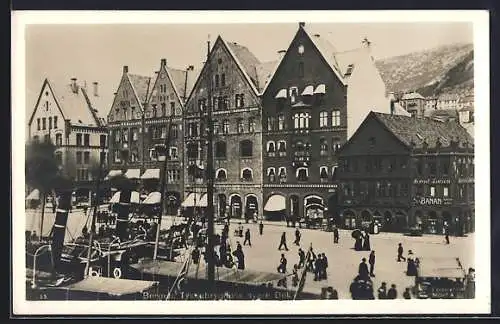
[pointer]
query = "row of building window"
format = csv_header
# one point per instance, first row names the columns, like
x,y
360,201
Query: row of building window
x,y
375,189
173,155
154,131
42,123
245,175
82,157
222,102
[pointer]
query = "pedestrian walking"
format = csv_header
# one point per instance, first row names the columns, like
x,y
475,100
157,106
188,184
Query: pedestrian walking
x,y
196,255
382,291
317,267
400,253
302,258
240,256
392,293
297,237
363,270
247,238
366,243
295,275
325,267
371,261
335,235
311,260
447,235
283,242
282,266
261,228
407,294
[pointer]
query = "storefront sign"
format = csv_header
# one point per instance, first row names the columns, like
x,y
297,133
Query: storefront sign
x,y
466,180
431,201
431,181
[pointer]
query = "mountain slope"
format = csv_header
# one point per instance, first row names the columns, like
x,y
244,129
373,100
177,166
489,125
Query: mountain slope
x,y
445,69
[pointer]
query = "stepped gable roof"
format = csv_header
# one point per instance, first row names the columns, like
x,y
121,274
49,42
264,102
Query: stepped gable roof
x,y
140,84
247,61
412,95
417,130
76,106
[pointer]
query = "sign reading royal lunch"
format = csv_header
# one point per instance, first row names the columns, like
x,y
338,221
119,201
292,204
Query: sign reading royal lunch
x,y
432,201
432,181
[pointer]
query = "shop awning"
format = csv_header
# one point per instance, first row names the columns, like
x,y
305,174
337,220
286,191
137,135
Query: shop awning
x,y
308,91
111,286
203,201
275,203
133,174
151,174
320,89
113,173
194,199
153,198
281,94
34,195
134,198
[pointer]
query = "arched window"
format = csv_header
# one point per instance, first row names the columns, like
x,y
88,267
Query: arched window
x,y
221,175
246,148
220,150
225,126
323,147
323,173
323,119
246,174
271,173
302,174
282,174
282,148
335,144
271,148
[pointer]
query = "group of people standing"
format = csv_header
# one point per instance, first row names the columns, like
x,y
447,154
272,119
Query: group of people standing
x,y
362,242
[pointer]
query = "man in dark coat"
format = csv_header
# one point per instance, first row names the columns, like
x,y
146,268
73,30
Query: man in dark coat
x,y
325,266
302,258
240,256
196,255
407,294
261,228
247,237
297,237
400,253
392,293
371,261
283,242
382,291
317,267
335,235
366,243
282,267
363,270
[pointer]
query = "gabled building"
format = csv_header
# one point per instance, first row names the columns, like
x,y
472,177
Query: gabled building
x,y
66,113
143,111
230,82
414,103
404,172
315,99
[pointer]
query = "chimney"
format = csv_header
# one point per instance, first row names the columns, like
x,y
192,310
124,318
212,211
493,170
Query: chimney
x,y
96,86
281,53
163,62
302,24
74,86
190,68
125,69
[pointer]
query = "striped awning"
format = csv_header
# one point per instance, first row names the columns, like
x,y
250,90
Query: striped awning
x,y
193,200
34,195
133,174
308,91
151,174
275,203
134,198
153,198
281,94
320,89
113,173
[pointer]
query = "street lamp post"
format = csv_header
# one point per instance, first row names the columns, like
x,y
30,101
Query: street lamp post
x,y
162,157
124,203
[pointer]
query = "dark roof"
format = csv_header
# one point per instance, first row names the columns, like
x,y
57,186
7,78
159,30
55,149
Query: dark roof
x,y
418,130
140,84
248,61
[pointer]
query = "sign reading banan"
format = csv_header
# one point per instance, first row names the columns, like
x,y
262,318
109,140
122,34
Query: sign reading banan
x,y
431,201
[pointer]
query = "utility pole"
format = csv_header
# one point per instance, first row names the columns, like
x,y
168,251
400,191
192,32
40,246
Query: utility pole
x,y
210,179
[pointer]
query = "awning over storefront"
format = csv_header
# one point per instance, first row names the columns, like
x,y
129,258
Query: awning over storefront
x,y
308,91
320,89
134,198
275,203
34,195
153,198
133,174
203,201
281,94
113,173
194,199
110,286
151,174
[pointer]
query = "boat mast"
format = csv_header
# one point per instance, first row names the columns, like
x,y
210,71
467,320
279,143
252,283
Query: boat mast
x,y
210,179
163,176
94,212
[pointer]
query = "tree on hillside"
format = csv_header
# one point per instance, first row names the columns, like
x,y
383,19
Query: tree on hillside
x,y
42,171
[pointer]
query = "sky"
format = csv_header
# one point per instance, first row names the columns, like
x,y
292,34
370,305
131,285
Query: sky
x,y
97,52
